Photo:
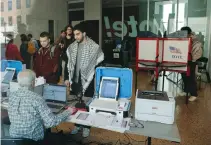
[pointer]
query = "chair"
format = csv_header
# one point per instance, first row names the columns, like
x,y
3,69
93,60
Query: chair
x,y
5,122
202,68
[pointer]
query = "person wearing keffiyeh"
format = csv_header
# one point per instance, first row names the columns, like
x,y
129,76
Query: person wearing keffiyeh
x,y
84,55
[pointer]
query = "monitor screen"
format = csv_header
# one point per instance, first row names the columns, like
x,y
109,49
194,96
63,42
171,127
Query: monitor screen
x,y
108,88
8,76
55,93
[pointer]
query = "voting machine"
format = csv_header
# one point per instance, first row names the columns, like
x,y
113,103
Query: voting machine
x,y
110,106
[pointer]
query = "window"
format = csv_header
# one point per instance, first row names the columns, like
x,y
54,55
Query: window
x,y
2,6
18,19
18,4
10,20
9,5
28,3
2,21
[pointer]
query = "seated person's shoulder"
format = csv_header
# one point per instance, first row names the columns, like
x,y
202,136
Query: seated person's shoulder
x,y
29,97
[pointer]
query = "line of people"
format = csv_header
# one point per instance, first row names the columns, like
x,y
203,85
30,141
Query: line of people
x,y
74,53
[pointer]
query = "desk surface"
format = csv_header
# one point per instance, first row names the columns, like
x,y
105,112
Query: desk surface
x,y
157,130
151,129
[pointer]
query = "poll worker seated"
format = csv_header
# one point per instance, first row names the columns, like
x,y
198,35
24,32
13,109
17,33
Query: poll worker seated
x,y
28,112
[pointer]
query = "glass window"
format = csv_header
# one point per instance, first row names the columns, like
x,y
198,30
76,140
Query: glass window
x,y
197,21
2,21
112,29
2,6
28,3
18,4
10,20
18,19
9,5
162,17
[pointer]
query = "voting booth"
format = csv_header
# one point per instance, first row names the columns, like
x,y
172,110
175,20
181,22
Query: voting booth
x,y
167,54
114,89
148,53
109,108
171,54
176,54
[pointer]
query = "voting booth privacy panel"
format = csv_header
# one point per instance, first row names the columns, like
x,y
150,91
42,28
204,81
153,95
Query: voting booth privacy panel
x,y
11,64
125,76
171,54
148,53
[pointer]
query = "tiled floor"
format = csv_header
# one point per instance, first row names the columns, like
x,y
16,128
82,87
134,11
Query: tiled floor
x,y
193,120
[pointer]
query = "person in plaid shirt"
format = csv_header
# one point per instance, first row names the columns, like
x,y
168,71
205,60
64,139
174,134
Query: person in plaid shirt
x,y
28,113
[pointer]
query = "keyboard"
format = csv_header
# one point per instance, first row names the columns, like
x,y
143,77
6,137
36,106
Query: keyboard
x,y
54,106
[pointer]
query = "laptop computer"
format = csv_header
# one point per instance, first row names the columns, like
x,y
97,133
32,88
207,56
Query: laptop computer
x,y
8,75
55,96
108,93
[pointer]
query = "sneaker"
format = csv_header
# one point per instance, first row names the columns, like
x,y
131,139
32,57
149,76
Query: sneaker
x,y
192,98
76,130
86,132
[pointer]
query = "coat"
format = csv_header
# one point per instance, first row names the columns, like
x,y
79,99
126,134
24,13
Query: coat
x,y
47,64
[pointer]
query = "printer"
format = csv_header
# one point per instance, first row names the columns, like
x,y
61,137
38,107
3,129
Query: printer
x,y
114,89
155,106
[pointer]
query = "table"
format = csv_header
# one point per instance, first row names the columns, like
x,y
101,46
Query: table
x,y
154,130
151,129
157,130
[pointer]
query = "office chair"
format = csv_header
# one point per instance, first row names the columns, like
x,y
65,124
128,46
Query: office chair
x,y
202,68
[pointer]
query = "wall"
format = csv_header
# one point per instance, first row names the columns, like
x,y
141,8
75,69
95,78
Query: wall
x,y
35,19
93,11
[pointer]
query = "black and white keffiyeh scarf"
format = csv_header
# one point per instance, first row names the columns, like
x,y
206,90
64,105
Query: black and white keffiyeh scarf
x,y
91,56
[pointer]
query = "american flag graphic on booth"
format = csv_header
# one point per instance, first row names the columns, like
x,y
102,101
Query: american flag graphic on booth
x,y
175,50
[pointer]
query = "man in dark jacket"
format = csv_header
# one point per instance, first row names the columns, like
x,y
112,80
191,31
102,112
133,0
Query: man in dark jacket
x,y
47,60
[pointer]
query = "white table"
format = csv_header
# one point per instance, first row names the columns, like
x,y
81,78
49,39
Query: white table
x,y
151,129
157,130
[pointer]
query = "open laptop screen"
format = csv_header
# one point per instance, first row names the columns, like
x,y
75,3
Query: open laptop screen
x,y
109,88
8,76
56,93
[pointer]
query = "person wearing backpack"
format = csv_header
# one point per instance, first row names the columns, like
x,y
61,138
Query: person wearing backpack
x,y
34,41
46,61
24,51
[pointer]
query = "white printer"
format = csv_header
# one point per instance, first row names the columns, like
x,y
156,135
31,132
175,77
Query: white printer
x,y
155,106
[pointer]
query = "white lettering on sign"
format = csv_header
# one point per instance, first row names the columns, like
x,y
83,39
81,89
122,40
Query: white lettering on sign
x,y
132,23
